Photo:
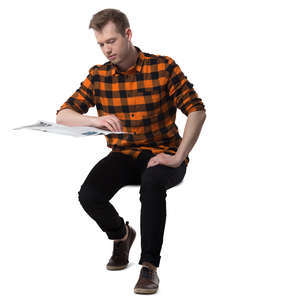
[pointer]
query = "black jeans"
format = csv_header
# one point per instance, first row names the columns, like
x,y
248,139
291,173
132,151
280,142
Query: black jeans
x,y
117,170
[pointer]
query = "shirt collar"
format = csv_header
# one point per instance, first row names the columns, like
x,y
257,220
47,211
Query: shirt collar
x,y
138,65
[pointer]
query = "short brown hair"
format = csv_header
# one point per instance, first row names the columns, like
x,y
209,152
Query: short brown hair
x,y
101,18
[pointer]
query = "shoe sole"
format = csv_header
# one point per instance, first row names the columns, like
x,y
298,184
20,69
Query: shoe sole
x,y
145,291
115,268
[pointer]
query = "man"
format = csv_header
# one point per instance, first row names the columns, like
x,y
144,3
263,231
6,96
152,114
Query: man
x,y
137,93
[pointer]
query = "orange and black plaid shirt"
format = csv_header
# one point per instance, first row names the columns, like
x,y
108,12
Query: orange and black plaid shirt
x,y
144,98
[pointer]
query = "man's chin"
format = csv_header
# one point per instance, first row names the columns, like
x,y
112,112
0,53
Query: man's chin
x,y
114,61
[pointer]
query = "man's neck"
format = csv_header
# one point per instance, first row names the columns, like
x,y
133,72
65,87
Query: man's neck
x,y
131,60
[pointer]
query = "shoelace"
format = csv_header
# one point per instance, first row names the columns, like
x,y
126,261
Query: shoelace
x,y
147,273
118,249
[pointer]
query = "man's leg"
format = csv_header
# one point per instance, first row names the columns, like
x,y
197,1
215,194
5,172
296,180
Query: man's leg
x,y
154,183
108,176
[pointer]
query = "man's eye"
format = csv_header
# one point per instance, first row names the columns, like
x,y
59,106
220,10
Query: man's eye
x,y
110,42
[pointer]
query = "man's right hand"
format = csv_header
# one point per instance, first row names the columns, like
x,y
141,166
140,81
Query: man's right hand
x,y
109,122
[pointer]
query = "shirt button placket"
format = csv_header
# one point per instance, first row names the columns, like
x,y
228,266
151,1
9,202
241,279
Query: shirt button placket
x,y
133,116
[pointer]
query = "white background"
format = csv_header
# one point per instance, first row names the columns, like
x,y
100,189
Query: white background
x,y
232,229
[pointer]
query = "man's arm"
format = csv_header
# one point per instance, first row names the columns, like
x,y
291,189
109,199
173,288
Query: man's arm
x,y
185,98
70,117
188,101
191,133
71,112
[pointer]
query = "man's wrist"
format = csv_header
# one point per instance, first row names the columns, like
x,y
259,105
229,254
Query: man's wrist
x,y
90,120
179,157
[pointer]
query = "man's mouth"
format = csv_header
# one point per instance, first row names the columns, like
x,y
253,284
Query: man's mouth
x,y
110,57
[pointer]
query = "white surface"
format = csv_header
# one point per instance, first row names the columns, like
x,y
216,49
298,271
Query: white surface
x,y
75,131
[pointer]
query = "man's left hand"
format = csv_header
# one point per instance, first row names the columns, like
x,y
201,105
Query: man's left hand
x,y
165,159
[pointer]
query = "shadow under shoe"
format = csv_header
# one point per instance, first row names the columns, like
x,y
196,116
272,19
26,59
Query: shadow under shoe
x,y
119,259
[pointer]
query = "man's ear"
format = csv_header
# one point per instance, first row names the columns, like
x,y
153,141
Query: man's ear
x,y
128,33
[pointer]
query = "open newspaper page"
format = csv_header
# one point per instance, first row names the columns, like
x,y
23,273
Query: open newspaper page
x,y
75,131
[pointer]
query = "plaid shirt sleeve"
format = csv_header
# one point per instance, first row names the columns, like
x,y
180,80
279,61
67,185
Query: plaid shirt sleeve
x,y
83,97
181,90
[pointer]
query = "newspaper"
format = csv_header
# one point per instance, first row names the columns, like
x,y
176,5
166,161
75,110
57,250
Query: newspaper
x,y
75,131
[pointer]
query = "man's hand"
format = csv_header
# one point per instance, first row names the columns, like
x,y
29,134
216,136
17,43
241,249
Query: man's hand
x,y
108,122
165,159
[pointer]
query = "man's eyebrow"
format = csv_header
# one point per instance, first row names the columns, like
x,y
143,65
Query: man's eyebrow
x,y
107,40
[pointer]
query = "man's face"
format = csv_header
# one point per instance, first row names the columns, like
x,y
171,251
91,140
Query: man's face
x,y
112,42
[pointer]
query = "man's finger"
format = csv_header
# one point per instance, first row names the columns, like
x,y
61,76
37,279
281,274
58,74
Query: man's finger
x,y
112,122
108,125
118,123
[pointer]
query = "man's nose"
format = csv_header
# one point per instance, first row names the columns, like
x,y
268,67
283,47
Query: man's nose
x,y
107,50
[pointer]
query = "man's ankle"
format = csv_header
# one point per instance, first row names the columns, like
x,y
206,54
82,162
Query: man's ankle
x,y
125,237
149,265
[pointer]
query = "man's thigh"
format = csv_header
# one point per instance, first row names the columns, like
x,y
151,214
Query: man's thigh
x,y
164,175
111,173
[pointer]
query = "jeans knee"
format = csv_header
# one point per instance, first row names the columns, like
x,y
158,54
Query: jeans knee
x,y
150,182
88,196
151,187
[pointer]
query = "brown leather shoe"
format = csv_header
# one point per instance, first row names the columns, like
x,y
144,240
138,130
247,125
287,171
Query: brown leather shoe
x,y
148,282
119,258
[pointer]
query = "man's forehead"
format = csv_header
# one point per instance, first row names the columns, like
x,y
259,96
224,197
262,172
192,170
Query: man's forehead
x,y
105,35
109,27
